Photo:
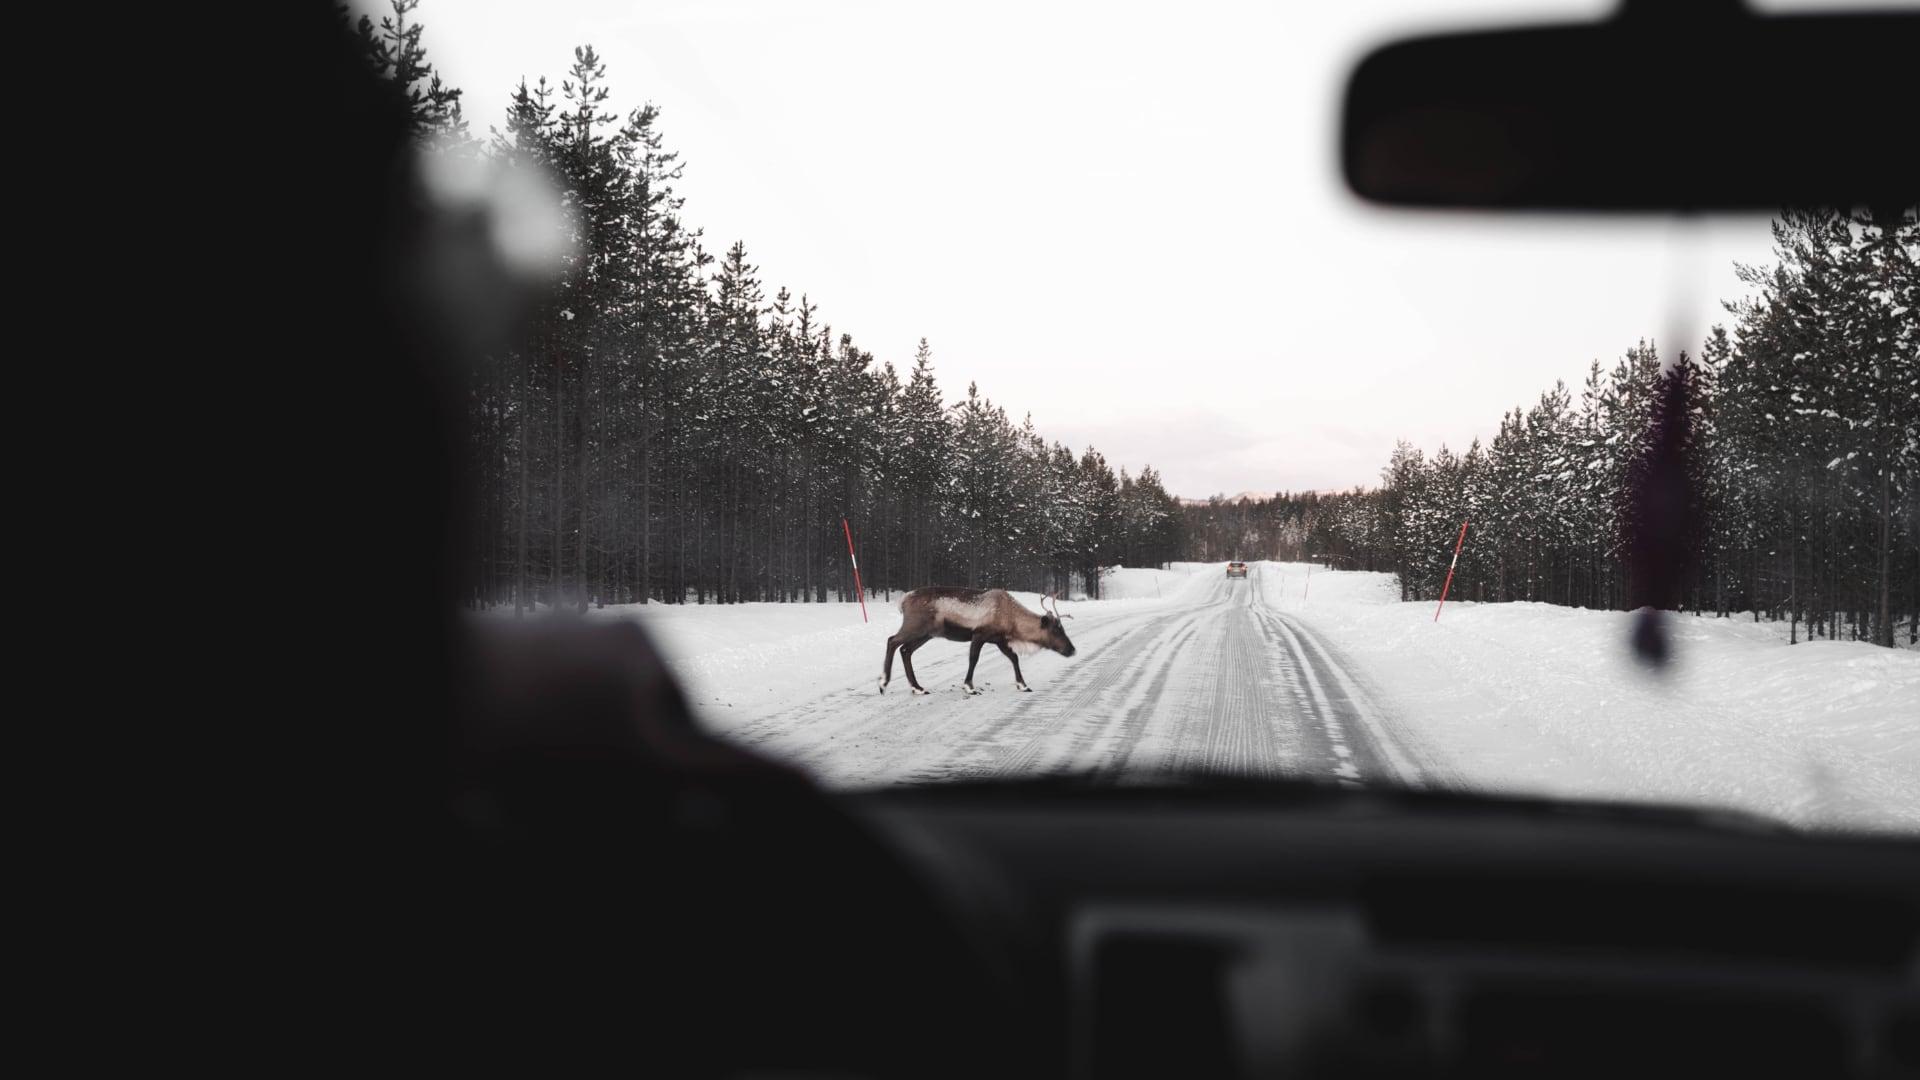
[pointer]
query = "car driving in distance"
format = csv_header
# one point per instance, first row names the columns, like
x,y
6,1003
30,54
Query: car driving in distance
x,y
1236,569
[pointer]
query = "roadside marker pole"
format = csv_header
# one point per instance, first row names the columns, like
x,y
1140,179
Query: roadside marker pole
x,y
1450,566
1308,587
857,590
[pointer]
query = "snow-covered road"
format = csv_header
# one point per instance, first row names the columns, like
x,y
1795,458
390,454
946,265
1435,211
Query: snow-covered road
x,y
1302,671
1216,679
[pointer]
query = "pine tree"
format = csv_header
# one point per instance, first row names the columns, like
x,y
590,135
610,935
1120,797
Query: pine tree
x,y
664,431
925,455
395,51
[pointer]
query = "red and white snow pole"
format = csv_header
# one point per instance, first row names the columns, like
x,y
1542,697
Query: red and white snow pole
x,y
1450,566
857,590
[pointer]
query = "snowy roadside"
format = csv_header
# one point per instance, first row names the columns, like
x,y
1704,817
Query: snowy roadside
x,y
1501,697
739,662
1545,699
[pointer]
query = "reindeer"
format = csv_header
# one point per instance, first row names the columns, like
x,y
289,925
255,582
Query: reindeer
x,y
978,616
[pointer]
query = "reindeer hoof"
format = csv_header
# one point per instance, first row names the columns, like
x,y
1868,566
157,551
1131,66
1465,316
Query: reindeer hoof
x,y
918,691
1024,688
971,689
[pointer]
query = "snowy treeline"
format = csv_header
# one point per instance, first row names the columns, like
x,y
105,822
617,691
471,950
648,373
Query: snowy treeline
x,y
1805,454
667,430
1338,529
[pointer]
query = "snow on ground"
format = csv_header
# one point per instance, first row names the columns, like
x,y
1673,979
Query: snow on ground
x,y
738,662
1782,632
1136,583
1539,698
1515,697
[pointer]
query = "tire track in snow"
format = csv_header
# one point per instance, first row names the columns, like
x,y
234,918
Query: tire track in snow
x,y
1404,759
1234,733
1094,676
1139,719
1071,725
1116,679
1324,722
854,735
1098,748
1225,685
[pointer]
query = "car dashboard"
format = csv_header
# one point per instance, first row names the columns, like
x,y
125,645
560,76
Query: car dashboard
x,y
1185,933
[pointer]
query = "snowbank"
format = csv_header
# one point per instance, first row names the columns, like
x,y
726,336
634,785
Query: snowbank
x,y
1538,698
1137,583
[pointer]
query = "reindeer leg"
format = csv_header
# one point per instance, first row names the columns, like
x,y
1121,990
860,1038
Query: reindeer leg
x,y
906,663
1018,680
973,658
886,669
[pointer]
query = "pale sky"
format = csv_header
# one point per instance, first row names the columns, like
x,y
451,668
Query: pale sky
x,y
1124,218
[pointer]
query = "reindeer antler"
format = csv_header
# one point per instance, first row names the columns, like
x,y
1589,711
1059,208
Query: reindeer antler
x,y
1055,597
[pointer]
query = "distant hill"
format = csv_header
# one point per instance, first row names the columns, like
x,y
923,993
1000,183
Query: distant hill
x,y
1250,496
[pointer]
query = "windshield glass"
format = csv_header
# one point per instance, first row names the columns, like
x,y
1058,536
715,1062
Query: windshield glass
x,y
1001,390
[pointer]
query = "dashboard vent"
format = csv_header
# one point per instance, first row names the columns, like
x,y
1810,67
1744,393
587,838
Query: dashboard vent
x,y
1641,919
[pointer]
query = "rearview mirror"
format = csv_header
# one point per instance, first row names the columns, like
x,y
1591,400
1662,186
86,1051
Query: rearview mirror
x,y
1670,105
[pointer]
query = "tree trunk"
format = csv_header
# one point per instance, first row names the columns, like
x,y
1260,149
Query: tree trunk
x,y
1793,598
580,474
646,518
1884,630
520,574
559,480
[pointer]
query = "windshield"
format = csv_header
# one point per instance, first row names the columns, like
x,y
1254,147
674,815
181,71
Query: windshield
x,y
1002,390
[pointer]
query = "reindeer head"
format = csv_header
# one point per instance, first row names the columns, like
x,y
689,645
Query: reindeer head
x,y
1050,625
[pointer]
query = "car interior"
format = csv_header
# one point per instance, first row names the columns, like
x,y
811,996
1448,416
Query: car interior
x,y
549,867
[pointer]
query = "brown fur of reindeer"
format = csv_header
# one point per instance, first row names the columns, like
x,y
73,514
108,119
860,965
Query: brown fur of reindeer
x,y
979,617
